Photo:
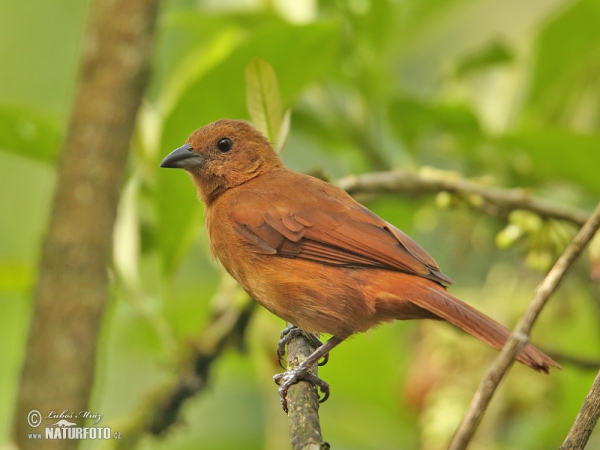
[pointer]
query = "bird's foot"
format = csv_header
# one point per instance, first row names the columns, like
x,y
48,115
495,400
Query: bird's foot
x,y
291,377
302,372
289,333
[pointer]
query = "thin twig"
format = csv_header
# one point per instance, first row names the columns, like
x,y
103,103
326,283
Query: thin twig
x,y
303,401
585,421
520,335
575,361
161,409
494,201
227,329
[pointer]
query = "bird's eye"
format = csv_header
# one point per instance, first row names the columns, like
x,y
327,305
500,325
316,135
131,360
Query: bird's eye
x,y
224,145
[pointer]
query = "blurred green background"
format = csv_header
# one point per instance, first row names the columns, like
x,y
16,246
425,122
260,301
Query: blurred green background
x,y
502,91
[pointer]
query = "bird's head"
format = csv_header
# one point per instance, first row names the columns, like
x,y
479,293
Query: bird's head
x,y
222,155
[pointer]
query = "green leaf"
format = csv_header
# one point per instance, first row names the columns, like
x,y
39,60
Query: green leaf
x,y
178,216
29,132
493,54
412,119
560,154
262,97
567,61
197,62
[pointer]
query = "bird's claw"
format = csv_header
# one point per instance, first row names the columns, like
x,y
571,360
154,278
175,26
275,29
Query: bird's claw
x,y
289,333
291,377
324,361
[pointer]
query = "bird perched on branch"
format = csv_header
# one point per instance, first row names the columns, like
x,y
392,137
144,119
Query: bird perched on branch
x,y
312,255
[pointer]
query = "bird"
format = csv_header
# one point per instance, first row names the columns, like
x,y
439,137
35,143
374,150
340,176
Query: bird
x,y
312,255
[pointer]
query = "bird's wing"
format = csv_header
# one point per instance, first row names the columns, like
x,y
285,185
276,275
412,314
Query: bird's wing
x,y
334,232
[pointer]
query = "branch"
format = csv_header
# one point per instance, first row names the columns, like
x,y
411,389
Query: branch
x,y
585,421
576,361
72,288
303,401
520,335
226,329
496,202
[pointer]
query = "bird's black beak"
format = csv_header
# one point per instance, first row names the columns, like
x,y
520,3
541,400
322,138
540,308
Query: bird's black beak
x,y
183,158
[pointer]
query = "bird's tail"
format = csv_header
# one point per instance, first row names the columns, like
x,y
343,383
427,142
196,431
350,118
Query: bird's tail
x,y
437,300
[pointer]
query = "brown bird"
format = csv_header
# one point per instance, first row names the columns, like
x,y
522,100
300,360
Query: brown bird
x,y
312,255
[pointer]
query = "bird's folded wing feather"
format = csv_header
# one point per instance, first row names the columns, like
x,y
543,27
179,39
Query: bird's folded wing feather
x,y
335,234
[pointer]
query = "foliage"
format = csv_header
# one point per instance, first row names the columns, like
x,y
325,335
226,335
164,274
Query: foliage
x,y
504,92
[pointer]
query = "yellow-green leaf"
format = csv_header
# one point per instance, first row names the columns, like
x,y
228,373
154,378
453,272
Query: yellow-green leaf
x,y
284,131
262,97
